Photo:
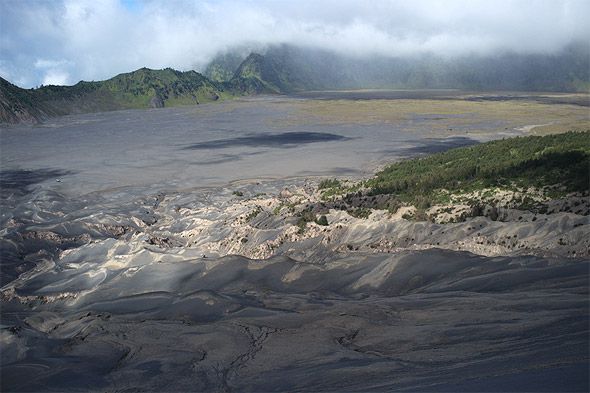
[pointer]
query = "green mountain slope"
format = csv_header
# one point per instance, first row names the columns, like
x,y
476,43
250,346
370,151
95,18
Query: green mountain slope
x,y
532,161
223,66
143,88
256,74
527,170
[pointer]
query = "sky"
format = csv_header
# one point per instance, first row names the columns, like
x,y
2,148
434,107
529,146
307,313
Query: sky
x,y
64,41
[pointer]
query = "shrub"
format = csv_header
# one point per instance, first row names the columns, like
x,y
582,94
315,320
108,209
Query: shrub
x,y
361,212
304,217
323,220
253,213
329,183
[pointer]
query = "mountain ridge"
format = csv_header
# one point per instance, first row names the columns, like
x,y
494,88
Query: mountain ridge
x,y
257,75
284,69
142,88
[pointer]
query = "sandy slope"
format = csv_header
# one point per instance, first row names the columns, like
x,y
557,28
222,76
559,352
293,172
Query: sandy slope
x,y
144,292
414,320
420,320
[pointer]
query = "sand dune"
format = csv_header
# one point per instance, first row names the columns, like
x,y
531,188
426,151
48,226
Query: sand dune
x,y
150,294
432,318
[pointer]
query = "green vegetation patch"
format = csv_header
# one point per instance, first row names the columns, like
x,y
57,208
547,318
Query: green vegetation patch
x,y
322,220
361,212
331,188
303,218
307,215
537,161
254,213
329,183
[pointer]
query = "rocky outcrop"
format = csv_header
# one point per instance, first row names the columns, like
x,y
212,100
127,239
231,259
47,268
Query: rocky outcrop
x,y
156,102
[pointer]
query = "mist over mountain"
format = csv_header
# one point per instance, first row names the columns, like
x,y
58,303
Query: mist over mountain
x,y
290,68
64,41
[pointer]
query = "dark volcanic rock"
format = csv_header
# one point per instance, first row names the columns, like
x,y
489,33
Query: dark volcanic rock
x,y
156,102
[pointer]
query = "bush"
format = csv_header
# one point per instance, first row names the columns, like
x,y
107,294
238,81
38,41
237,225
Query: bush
x,y
323,220
304,217
329,183
254,213
361,212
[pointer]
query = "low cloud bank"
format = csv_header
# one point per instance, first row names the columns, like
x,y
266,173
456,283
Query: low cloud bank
x,y
65,41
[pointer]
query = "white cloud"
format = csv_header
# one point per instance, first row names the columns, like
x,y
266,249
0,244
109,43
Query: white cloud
x,y
54,72
56,77
96,39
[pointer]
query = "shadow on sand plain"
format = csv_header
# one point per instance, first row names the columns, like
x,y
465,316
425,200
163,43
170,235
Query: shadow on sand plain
x,y
285,140
19,180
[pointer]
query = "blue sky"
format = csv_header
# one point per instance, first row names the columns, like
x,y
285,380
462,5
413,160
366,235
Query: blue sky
x,y
132,5
64,41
